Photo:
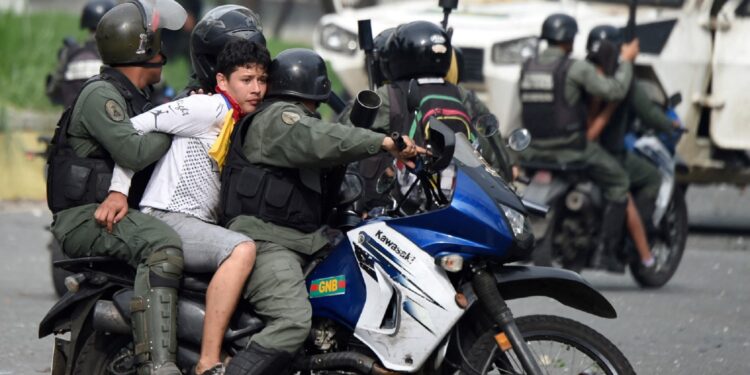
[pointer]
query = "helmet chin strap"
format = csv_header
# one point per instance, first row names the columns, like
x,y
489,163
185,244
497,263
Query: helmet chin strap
x,y
145,64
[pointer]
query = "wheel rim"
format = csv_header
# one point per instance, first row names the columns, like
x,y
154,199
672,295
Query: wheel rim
x,y
668,245
555,354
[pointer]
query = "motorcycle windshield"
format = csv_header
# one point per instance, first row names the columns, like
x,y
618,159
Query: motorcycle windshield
x,y
473,223
470,161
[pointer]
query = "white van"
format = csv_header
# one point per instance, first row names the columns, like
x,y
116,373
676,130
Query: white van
x,y
691,47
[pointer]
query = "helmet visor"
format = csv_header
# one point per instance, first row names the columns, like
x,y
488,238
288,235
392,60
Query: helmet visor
x,y
163,14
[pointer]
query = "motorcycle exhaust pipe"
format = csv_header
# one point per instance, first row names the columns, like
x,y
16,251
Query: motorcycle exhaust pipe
x,y
107,319
365,109
348,360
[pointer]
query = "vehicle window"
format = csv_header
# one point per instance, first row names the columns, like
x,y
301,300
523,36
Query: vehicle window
x,y
661,3
744,9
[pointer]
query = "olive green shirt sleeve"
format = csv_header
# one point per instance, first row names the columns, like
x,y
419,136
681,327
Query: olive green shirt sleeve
x,y
651,114
583,74
285,135
111,129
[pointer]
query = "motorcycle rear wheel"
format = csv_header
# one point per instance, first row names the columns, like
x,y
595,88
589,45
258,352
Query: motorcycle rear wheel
x,y
668,247
104,354
560,345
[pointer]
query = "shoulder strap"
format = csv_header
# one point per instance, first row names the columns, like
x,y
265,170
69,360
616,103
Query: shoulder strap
x,y
398,115
237,138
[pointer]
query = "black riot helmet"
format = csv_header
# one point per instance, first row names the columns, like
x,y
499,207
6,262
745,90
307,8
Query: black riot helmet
x,y
213,31
418,49
603,47
380,72
604,32
559,28
299,73
93,12
130,33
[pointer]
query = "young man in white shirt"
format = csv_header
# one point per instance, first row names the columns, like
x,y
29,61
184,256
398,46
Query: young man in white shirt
x,y
184,188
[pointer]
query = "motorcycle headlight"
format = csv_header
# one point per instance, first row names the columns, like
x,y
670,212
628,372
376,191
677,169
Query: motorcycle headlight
x,y
516,220
514,51
337,39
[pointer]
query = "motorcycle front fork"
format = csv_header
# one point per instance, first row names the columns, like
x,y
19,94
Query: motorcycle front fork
x,y
486,291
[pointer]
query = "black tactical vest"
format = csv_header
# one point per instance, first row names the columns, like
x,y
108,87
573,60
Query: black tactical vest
x,y
544,110
281,196
73,180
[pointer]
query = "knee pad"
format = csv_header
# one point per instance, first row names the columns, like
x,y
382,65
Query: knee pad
x,y
165,268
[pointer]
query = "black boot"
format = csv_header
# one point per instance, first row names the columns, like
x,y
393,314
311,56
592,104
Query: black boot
x,y
610,237
257,360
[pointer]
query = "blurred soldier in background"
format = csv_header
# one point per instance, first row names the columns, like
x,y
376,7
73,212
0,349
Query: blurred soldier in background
x,y
77,62
552,90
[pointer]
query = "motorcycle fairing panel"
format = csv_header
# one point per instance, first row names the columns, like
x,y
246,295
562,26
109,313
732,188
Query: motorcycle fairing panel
x,y
654,150
407,305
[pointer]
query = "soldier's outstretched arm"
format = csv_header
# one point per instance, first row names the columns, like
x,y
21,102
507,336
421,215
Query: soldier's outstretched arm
x,y
608,88
104,116
649,112
285,136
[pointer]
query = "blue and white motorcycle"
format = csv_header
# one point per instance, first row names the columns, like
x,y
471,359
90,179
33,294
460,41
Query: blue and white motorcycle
x,y
422,293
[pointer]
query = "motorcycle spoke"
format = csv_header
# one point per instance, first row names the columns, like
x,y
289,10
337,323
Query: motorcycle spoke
x,y
553,357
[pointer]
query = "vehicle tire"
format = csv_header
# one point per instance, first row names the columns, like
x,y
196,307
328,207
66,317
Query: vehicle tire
x,y
668,247
554,341
104,354
58,274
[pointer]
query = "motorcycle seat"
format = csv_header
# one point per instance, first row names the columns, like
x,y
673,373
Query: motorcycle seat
x,y
191,281
575,166
84,260
197,282
100,263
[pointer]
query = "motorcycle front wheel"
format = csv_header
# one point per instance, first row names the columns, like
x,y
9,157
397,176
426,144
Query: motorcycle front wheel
x,y
668,246
559,345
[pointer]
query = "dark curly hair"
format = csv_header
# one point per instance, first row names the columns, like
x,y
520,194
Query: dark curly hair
x,y
239,53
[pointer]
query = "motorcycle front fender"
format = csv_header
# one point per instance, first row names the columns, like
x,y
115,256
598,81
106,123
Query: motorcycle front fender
x,y
69,308
567,287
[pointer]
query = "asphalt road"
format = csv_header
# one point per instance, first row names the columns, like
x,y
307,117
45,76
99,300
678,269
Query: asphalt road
x,y
697,324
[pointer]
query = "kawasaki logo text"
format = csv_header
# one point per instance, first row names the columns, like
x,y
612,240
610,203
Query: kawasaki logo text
x,y
392,245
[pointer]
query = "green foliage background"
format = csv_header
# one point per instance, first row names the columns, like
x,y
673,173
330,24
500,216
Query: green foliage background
x,y
28,52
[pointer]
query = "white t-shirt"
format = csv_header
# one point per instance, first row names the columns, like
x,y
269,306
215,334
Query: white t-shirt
x,y
186,179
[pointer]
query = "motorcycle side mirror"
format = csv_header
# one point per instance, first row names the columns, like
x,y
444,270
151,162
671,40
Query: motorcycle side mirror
x,y
386,181
519,139
449,4
351,190
674,100
442,143
486,125
412,96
